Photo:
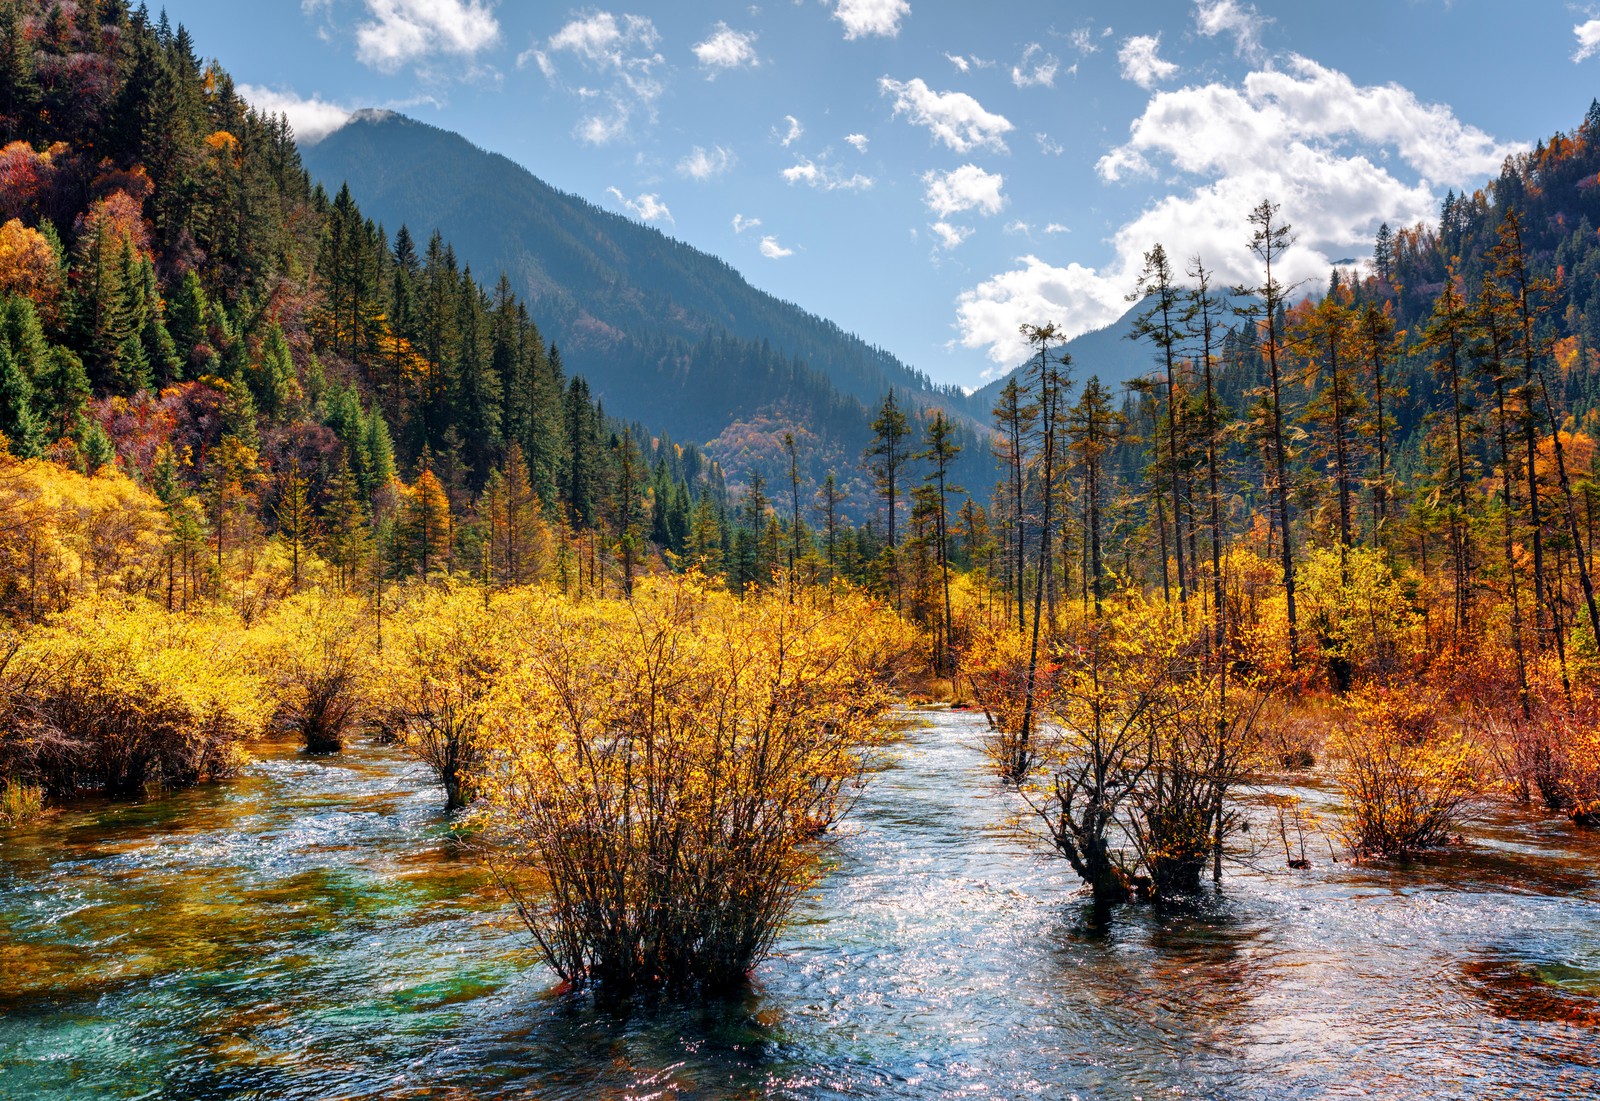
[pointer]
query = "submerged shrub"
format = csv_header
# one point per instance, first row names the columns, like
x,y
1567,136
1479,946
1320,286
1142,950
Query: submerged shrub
x,y
120,696
312,649
664,767
444,656
20,802
1408,783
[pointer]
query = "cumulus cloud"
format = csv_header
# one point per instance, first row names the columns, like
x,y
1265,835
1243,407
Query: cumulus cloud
x,y
1209,128
825,176
1049,146
961,63
1214,17
966,188
955,118
1056,227
646,208
1140,62
989,314
791,133
727,49
1338,157
857,140
622,52
1037,69
950,236
398,32
772,250
312,119
862,18
1588,36
741,223
702,164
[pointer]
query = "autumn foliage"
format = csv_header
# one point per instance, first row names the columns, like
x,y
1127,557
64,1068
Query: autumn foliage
x,y
662,769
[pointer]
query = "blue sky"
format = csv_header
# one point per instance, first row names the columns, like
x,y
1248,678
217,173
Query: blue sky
x,y
931,175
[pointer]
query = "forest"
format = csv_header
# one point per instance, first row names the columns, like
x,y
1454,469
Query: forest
x,y
1315,595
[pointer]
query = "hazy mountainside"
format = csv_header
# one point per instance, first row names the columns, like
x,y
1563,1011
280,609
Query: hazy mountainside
x,y
646,319
1106,353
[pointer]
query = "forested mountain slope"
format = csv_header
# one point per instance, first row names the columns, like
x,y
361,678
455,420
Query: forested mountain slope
x,y
661,331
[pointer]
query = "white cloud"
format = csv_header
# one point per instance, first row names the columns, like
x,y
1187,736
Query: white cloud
x,y
1338,157
646,208
961,63
950,236
825,176
1017,226
1588,36
1056,227
1212,128
1140,62
703,165
623,52
955,118
1036,69
1083,41
727,49
966,188
790,135
990,314
1214,17
402,31
774,251
871,17
312,119
1049,146
741,223
857,140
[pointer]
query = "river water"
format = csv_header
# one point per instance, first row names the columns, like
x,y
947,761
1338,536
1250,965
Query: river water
x,y
311,930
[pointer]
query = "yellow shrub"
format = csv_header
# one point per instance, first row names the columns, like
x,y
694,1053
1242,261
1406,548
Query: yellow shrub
x,y
661,769
120,695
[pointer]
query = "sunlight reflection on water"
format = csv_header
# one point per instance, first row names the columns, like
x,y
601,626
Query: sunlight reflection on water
x,y
310,930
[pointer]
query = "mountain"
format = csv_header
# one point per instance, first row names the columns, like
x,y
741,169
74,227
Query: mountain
x,y
662,332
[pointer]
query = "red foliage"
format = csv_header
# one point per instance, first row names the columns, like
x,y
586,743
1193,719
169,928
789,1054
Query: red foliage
x,y
138,426
196,411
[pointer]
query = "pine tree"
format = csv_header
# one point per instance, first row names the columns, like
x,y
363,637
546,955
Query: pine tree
x,y
939,452
885,456
1269,240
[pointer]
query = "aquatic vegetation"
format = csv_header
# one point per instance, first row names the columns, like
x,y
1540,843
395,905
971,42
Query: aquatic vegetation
x,y
117,695
1142,742
20,802
313,650
661,771
1409,782
446,653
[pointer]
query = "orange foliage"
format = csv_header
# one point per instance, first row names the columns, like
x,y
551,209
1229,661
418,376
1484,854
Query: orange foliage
x,y
119,217
26,175
29,267
1566,352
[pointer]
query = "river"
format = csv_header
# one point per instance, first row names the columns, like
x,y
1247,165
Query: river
x,y
311,930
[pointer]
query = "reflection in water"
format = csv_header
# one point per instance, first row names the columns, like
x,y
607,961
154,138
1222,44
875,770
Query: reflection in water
x,y
311,930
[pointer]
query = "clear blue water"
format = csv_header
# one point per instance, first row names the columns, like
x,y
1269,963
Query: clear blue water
x,y
311,930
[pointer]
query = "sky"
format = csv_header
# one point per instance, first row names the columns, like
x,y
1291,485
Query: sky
x,y
932,175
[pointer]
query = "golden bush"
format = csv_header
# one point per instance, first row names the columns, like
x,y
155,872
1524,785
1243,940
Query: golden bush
x,y
663,768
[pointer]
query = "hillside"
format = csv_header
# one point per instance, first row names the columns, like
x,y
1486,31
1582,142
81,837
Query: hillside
x,y
661,331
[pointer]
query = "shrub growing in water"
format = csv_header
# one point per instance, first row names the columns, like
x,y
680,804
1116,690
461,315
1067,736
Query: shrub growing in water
x,y
664,767
440,663
120,695
1408,783
312,648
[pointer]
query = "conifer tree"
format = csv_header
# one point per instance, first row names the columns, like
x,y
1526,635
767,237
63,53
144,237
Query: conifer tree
x,y
1269,240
